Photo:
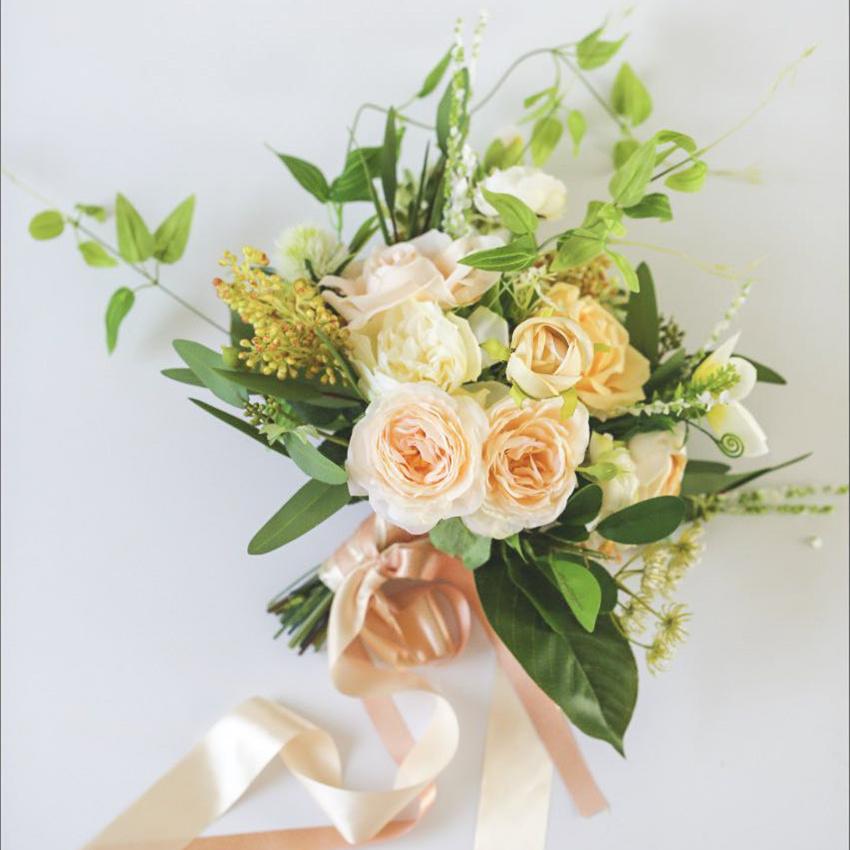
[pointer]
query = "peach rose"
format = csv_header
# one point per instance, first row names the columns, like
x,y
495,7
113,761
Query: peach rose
x,y
550,355
416,453
530,458
618,371
425,268
659,458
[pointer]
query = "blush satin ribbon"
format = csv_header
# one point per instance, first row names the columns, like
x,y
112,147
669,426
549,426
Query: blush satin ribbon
x,y
402,603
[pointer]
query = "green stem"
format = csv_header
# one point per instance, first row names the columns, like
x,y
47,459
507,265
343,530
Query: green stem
x,y
511,68
637,598
624,127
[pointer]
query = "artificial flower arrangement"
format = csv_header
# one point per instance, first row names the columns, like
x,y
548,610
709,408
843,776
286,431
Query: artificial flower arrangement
x,y
514,403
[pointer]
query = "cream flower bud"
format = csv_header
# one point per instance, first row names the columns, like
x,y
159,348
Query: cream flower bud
x,y
621,490
659,460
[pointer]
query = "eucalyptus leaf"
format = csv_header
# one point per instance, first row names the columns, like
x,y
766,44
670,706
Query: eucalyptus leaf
x,y
47,225
119,305
642,316
310,460
289,389
182,376
454,538
592,677
308,176
645,522
172,235
96,255
629,96
205,363
311,505
135,242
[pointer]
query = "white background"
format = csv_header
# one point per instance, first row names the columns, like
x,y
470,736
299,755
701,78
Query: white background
x,y
133,617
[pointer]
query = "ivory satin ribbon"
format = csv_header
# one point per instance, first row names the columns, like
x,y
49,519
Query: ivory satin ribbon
x,y
399,601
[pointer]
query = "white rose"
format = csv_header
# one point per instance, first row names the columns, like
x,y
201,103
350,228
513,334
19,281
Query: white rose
x,y
659,459
621,490
416,453
412,342
543,193
425,268
530,459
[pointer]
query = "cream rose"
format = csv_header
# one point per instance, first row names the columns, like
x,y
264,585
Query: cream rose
x,y
621,490
416,453
415,341
550,355
425,268
618,371
659,458
544,194
530,458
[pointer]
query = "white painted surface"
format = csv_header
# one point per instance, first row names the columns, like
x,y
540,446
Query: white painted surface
x,y
132,615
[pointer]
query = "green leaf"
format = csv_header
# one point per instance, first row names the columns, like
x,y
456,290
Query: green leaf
x,y
607,585
580,589
311,505
454,538
502,156
630,278
515,214
172,235
96,255
545,136
600,471
577,247
288,390
94,211
135,243
310,460
695,466
362,165
445,106
629,96
205,363
645,522
47,225
630,180
435,75
677,141
592,52
239,329
656,205
764,373
623,150
515,256
592,677
583,506
667,372
699,481
364,233
389,161
577,126
182,376
642,316
235,422
308,176
119,305
689,180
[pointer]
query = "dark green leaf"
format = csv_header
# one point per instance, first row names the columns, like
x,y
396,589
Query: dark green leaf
x,y
607,585
703,482
435,75
454,538
364,233
239,424
583,506
592,677
656,205
667,372
311,505
289,390
362,165
205,363
239,329
389,162
135,243
96,255
579,588
764,373
629,96
645,522
182,376
642,316
310,460
545,136
119,305
630,180
515,256
172,235
308,176
47,225
592,52
514,213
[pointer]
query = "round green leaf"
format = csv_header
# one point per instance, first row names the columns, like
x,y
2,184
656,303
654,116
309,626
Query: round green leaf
x,y
47,225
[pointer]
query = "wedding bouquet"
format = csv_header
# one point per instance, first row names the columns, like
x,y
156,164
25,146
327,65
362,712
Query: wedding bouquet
x,y
488,368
